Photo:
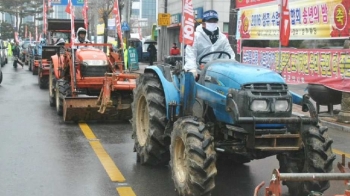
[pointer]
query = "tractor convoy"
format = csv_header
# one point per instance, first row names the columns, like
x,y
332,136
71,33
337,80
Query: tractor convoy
x,y
233,112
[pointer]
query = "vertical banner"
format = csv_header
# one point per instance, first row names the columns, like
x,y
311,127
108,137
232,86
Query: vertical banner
x,y
16,37
30,36
85,16
285,24
117,22
70,11
186,35
36,34
44,17
26,33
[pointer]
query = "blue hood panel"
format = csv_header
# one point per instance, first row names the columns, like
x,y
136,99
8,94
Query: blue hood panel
x,y
243,73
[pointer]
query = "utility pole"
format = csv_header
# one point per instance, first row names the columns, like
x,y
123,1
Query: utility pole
x,y
127,19
162,43
233,26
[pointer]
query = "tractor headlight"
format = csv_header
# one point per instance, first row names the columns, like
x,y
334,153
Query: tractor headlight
x,y
259,105
281,105
96,62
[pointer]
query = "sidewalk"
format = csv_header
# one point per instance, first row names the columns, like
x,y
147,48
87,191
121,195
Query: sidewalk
x,y
329,121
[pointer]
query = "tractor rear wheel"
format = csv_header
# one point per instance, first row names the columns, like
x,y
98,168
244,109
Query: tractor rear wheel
x,y
52,84
62,90
43,80
315,157
192,158
149,121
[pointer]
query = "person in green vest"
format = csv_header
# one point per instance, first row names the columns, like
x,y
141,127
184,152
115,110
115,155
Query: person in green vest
x,y
9,49
125,57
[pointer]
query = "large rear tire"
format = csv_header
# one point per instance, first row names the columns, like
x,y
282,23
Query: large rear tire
x,y
0,76
315,157
63,90
193,158
149,121
43,80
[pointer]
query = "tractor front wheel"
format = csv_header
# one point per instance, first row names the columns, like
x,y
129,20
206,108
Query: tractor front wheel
x,y
63,90
315,157
149,121
192,158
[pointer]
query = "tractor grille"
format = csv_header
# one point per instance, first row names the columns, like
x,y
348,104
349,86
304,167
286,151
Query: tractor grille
x,y
262,89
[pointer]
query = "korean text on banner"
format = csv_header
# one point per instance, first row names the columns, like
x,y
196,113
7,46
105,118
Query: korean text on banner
x,y
117,22
316,66
187,30
309,19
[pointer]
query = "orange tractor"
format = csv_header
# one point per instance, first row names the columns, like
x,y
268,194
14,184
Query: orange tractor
x,y
57,28
87,84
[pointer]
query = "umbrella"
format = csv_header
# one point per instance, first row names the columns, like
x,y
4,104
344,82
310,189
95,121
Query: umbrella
x,y
149,41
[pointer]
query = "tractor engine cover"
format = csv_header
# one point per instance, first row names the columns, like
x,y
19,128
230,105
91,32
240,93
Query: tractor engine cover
x,y
93,62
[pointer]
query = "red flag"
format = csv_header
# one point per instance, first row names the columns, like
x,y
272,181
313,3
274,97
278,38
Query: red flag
x,y
44,17
285,24
16,37
69,7
25,35
85,9
187,31
117,21
30,36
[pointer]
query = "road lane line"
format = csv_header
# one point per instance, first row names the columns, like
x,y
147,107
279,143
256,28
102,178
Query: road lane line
x,y
125,191
339,152
107,162
87,131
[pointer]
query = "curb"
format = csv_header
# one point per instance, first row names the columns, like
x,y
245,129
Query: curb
x,y
336,126
330,125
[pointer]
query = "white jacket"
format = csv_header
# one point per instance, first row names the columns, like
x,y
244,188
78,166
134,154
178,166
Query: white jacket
x,y
202,45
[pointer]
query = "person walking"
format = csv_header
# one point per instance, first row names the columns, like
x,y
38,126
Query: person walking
x,y
152,53
16,52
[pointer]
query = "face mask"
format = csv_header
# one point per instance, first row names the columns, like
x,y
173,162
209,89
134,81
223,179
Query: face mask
x,y
211,26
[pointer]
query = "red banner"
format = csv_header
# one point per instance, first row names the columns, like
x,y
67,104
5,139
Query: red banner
x,y
246,3
85,16
70,10
187,31
117,22
44,17
329,67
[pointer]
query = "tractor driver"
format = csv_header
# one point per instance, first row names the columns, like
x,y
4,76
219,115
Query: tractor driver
x,y
207,38
81,36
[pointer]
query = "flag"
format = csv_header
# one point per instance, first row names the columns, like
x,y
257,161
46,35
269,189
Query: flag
x,y
70,8
85,9
36,33
187,30
30,36
25,35
44,17
117,22
16,37
285,24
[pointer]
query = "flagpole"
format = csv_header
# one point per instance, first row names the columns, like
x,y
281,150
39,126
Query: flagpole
x,y
280,45
182,32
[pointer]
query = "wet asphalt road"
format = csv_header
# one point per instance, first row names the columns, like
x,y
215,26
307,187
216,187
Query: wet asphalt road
x,y
41,155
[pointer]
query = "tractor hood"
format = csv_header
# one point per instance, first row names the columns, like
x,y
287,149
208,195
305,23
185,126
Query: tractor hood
x,y
91,54
229,71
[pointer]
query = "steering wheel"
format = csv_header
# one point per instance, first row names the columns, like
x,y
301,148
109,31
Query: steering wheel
x,y
215,52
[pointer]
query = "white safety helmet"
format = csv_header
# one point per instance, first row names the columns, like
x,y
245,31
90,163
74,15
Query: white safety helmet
x,y
79,31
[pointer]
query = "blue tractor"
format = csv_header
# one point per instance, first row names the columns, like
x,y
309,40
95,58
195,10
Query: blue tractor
x,y
232,112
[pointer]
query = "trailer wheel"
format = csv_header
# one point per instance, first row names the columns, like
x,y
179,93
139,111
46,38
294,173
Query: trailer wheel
x,y
52,84
35,70
0,76
62,90
315,157
30,65
149,121
193,158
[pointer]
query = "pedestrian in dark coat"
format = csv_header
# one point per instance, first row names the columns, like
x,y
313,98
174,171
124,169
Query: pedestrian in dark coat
x,y
151,49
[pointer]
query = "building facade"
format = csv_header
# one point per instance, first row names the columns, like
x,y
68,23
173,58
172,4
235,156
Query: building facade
x,y
174,7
